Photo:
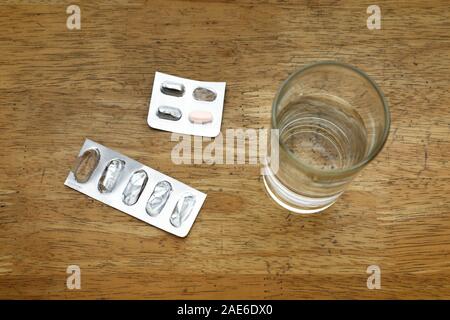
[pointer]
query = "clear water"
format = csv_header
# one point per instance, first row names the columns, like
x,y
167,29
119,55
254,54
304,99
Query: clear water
x,y
323,131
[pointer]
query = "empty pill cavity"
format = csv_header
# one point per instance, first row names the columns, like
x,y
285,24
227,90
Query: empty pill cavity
x,y
134,188
158,198
85,165
204,94
200,117
169,113
110,175
182,210
172,88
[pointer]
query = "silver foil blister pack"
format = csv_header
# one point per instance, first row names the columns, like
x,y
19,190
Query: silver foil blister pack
x,y
186,106
135,189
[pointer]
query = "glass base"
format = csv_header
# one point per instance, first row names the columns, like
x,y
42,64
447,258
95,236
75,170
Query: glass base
x,y
292,201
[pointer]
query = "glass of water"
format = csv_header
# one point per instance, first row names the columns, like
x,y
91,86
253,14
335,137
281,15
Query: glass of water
x,y
330,120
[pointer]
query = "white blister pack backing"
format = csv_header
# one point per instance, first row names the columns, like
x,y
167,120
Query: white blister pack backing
x,y
135,189
186,106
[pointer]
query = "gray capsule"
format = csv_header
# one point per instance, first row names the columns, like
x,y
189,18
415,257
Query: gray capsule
x,y
110,175
158,199
172,88
169,113
204,94
182,210
134,188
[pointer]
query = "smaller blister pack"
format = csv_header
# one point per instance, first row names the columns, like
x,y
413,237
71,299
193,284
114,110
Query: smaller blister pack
x,y
186,106
135,189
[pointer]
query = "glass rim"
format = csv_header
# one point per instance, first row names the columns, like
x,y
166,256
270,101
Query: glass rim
x,y
367,158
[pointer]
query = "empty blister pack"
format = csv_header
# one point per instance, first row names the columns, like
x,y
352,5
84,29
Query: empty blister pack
x,y
186,106
135,189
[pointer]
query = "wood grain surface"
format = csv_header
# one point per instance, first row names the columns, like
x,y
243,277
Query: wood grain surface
x,y
60,86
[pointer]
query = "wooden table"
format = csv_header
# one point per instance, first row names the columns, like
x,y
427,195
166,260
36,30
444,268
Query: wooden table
x,y
59,86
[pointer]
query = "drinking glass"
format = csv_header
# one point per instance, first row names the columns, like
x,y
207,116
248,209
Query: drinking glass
x,y
330,121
